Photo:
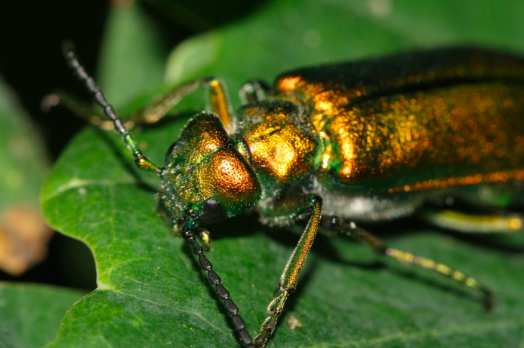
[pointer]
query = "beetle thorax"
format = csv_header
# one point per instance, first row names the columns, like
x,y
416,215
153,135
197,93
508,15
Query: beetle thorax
x,y
282,146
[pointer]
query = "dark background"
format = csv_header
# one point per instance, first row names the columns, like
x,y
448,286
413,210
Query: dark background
x,y
31,63
30,36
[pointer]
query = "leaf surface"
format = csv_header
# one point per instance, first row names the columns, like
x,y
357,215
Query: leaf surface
x,y
150,292
23,233
31,314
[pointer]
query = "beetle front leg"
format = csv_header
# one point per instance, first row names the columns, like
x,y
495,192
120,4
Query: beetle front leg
x,y
156,110
81,110
290,209
218,101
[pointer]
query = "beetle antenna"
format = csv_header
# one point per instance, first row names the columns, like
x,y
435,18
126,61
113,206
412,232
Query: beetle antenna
x,y
221,291
99,97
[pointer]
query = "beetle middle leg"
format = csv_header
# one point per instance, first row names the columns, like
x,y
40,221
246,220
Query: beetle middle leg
x,y
478,209
351,229
290,209
474,223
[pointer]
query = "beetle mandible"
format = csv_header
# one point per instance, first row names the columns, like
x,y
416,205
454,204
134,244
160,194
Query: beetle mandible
x,y
341,145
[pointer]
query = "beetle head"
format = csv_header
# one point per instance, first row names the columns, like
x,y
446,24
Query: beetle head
x,y
206,175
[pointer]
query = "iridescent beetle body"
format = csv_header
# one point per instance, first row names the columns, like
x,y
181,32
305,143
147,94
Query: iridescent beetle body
x,y
343,144
413,126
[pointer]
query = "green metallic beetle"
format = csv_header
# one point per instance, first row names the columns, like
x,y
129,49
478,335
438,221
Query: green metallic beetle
x,y
340,145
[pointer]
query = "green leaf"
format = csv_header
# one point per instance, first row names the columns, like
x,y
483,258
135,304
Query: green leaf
x,y
31,314
200,15
24,164
23,233
288,34
150,291
133,57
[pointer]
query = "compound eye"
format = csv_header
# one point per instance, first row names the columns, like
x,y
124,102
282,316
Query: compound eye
x,y
212,211
170,150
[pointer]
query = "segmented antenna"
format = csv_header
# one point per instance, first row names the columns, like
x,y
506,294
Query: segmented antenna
x,y
73,62
221,291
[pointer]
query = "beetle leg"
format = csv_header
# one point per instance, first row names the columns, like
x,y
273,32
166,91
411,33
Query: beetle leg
x,y
290,208
474,223
254,90
205,239
218,101
156,110
405,257
78,108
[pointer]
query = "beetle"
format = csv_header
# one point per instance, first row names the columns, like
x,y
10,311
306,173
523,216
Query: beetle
x,y
343,145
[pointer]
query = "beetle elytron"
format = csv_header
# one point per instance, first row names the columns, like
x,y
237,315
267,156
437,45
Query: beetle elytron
x,y
340,145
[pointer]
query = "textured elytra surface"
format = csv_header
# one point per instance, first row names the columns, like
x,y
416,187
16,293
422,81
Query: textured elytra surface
x,y
150,290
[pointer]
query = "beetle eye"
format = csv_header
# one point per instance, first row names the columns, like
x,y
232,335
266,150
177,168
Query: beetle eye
x,y
212,211
170,149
